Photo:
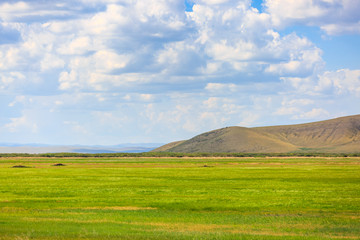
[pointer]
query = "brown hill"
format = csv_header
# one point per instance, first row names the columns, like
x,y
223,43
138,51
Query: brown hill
x,y
165,147
335,135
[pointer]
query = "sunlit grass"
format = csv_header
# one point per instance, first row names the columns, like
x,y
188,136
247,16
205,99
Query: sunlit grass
x,y
174,198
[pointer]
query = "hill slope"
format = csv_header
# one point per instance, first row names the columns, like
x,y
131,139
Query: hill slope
x,y
335,135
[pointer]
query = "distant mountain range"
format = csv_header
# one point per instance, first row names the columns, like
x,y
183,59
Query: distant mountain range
x,y
340,135
44,148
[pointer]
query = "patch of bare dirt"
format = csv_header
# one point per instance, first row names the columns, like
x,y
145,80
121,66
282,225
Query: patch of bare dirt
x,y
59,165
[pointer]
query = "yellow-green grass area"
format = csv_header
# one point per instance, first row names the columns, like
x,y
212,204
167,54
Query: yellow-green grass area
x,y
180,198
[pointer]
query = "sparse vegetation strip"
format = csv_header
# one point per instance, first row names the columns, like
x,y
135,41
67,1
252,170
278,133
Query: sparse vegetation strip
x,y
174,154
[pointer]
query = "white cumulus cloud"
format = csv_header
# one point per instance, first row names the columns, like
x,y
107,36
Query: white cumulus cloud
x,y
163,72
333,16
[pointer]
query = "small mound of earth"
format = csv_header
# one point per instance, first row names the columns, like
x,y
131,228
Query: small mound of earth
x,y
207,166
59,164
19,166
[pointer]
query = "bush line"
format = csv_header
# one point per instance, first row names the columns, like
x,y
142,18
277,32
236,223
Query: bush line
x,y
173,154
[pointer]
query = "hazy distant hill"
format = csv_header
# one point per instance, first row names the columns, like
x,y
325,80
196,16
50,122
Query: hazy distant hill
x,y
335,135
43,148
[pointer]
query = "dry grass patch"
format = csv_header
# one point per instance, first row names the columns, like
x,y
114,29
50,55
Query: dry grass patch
x,y
121,208
247,229
117,208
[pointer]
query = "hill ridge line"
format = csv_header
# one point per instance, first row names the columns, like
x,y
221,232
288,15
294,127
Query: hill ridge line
x,y
333,135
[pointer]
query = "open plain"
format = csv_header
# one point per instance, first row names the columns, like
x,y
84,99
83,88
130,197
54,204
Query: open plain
x,y
180,198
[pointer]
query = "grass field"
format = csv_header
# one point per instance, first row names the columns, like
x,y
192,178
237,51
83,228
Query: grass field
x,y
180,198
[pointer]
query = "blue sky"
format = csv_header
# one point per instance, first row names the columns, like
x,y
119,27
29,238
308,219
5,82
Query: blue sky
x,y
133,71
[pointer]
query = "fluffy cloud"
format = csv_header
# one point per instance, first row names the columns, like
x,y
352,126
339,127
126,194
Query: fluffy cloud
x,y
127,44
340,82
221,87
22,11
293,106
343,81
138,68
314,113
21,124
303,58
237,38
333,16
13,10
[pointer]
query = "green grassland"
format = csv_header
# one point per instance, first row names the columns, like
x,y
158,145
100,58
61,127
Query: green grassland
x,y
180,198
